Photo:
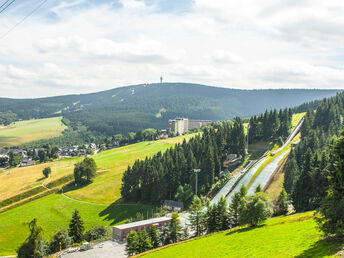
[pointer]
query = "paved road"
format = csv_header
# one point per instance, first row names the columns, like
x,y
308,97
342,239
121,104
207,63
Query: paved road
x,y
109,249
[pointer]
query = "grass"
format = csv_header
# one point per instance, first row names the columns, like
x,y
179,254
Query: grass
x,y
105,188
30,130
54,212
287,236
296,118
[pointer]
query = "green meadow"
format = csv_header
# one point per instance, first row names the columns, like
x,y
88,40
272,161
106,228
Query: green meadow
x,y
30,130
105,187
287,236
54,212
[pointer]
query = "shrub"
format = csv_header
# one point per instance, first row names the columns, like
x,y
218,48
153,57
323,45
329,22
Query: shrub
x,y
59,238
97,232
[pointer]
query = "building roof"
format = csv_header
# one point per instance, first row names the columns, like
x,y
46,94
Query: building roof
x,y
172,203
142,223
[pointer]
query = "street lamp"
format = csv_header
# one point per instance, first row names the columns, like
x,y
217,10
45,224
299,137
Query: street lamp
x,y
197,170
248,128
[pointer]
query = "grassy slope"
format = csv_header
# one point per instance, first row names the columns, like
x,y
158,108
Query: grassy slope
x,y
104,189
54,212
276,185
30,130
289,236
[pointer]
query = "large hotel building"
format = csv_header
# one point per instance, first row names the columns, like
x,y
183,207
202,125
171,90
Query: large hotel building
x,y
180,125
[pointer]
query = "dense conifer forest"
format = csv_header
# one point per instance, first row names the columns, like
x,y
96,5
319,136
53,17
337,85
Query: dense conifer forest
x,y
132,108
312,161
158,178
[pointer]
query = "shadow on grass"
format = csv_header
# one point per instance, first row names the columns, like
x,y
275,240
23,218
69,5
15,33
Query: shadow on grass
x,y
117,212
242,230
40,179
71,186
323,248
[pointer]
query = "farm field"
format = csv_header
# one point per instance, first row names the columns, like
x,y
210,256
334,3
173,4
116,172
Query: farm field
x,y
287,236
54,212
104,189
30,130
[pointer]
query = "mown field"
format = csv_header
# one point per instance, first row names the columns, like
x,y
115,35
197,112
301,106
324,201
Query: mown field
x,y
105,188
30,130
54,212
287,236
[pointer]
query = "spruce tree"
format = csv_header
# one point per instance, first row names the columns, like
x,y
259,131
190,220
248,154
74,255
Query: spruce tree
x,y
196,215
76,227
302,195
291,173
132,243
154,236
332,208
281,204
174,228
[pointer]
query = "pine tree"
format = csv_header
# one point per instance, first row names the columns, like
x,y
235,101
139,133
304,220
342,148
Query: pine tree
x,y
302,195
174,228
132,243
258,189
237,201
291,173
332,208
76,227
282,205
196,215
154,236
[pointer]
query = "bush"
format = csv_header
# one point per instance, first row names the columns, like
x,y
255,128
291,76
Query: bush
x,y
59,238
97,232
46,172
255,209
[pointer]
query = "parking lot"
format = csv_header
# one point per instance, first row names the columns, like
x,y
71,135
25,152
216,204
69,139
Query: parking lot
x,y
105,249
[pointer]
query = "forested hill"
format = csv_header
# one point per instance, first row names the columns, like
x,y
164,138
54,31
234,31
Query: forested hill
x,y
131,108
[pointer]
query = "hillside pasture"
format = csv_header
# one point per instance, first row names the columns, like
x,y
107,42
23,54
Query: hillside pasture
x,y
54,212
106,186
30,130
287,236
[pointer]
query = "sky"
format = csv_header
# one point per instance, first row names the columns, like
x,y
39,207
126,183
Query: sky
x,y
81,46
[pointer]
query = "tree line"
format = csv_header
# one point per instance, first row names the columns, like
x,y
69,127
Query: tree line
x,y
157,178
204,219
314,170
272,124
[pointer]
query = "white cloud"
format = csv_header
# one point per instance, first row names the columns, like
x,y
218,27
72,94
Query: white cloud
x,y
242,44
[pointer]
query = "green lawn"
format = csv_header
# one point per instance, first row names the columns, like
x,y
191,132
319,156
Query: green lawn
x,y
30,130
296,118
105,188
287,236
54,212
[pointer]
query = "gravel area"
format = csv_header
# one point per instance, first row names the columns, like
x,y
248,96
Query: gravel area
x,y
107,249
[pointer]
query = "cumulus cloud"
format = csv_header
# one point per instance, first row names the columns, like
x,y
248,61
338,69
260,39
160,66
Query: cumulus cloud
x,y
77,46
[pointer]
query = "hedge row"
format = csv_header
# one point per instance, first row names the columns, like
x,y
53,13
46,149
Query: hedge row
x,y
60,181
35,191
47,192
21,196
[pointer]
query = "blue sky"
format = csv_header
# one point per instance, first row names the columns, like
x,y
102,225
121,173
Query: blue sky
x,y
79,46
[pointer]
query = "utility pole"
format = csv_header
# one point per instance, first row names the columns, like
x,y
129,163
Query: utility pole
x,y
248,128
197,170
